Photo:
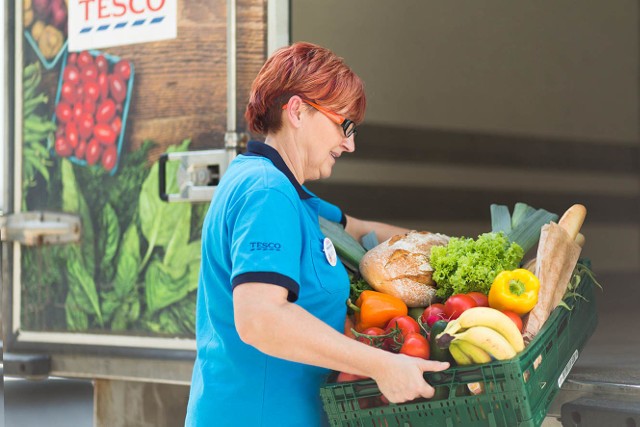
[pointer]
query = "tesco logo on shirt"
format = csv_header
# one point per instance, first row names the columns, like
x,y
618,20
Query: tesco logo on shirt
x,y
265,246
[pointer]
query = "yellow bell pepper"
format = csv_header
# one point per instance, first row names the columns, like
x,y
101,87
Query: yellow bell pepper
x,y
514,290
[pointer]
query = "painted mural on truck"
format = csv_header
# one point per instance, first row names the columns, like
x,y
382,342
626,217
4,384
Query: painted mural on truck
x,y
94,125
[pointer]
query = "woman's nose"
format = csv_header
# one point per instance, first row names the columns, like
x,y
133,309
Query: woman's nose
x,y
349,144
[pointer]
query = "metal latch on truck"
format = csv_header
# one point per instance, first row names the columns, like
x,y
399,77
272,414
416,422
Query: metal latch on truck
x,y
199,172
40,228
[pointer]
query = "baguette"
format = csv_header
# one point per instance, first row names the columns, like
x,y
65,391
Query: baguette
x,y
572,220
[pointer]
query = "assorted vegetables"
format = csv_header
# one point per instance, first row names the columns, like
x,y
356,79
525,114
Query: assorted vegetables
x,y
46,21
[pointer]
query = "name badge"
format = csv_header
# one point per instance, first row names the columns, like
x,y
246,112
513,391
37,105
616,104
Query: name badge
x,y
330,252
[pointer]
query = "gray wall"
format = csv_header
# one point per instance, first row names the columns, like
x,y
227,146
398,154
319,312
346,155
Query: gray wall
x,y
491,101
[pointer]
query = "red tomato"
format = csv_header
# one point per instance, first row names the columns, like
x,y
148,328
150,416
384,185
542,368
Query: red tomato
x,y
515,318
415,345
72,58
71,75
79,93
78,111
104,134
81,150
406,324
62,147
63,112
102,64
123,69
117,88
373,331
71,132
68,92
93,152
481,299
91,91
106,111
109,157
346,377
103,84
433,313
90,73
116,125
458,303
89,107
84,59
85,125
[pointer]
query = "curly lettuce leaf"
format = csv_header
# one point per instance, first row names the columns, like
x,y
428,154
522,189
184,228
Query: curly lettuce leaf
x,y
468,265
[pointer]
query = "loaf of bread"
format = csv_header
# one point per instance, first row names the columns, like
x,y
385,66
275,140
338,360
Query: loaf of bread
x,y
401,267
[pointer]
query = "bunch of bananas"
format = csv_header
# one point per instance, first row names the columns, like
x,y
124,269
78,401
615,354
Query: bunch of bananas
x,y
480,335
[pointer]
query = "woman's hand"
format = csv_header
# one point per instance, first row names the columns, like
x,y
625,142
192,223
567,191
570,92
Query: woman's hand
x,y
401,377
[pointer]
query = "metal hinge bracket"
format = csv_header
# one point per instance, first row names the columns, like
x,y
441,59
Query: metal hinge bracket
x,y
40,228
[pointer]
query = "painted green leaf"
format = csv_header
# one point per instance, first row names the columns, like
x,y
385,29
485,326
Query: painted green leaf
x,y
82,287
128,262
109,237
162,290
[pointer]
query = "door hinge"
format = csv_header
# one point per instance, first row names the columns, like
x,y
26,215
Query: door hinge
x,y
40,228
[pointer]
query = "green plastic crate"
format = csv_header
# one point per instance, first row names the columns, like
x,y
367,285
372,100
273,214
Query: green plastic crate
x,y
516,392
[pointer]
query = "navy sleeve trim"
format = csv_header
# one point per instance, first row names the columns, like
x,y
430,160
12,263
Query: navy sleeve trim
x,y
343,220
271,278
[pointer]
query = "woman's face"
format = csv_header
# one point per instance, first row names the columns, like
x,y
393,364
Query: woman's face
x,y
324,142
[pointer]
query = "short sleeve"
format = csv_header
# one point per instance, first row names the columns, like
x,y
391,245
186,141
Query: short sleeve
x,y
331,212
266,241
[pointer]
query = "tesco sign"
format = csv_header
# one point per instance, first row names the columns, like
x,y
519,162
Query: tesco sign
x,y
103,23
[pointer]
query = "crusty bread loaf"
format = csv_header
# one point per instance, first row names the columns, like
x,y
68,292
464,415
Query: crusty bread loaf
x,y
401,267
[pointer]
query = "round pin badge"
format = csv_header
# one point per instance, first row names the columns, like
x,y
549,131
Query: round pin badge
x,y
330,252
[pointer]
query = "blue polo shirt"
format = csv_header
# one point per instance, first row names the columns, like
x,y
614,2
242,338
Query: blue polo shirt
x,y
262,226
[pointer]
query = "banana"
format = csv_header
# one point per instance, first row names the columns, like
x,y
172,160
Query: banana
x,y
490,318
475,353
488,340
458,355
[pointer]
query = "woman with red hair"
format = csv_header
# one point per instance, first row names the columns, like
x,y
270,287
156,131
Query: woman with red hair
x,y
271,298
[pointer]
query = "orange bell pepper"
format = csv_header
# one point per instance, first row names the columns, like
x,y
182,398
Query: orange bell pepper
x,y
376,309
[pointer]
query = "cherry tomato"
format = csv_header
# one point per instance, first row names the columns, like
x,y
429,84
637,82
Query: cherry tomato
x,y
71,74
84,59
72,58
62,147
415,345
481,299
85,125
106,111
117,88
346,377
89,107
78,111
116,125
109,157
515,318
373,332
79,93
68,92
406,324
89,73
103,84
102,64
104,134
81,150
93,152
123,69
71,132
456,304
63,112
433,313
91,91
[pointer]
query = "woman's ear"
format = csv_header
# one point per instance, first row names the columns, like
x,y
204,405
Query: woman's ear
x,y
293,111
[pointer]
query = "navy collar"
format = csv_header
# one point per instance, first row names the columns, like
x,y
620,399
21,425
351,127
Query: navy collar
x,y
257,148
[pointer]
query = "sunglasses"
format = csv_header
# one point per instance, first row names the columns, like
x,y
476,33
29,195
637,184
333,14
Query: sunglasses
x,y
348,127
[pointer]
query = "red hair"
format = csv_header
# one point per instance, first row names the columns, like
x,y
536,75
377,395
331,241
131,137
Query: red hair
x,y
311,72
